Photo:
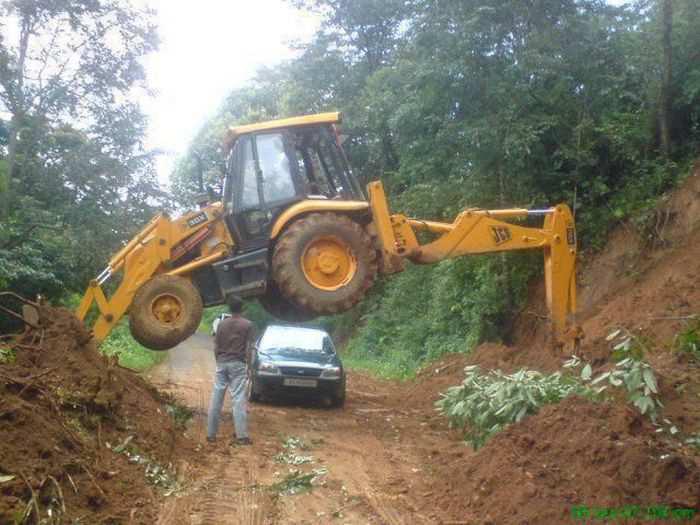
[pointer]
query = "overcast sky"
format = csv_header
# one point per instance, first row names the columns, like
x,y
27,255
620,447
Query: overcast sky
x,y
208,48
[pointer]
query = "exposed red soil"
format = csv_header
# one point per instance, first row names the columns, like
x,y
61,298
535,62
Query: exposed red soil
x,y
644,281
571,454
61,405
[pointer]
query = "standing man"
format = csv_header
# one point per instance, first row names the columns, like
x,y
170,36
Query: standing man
x,y
232,346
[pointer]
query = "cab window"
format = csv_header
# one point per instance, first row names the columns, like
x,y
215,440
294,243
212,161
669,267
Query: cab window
x,y
309,164
277,181
250,198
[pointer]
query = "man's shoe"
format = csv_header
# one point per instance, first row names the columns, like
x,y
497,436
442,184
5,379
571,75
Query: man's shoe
x,y
211,439
242,441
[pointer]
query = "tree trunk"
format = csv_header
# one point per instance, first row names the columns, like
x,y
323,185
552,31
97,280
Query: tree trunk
x,y
11,155
666,78
17,114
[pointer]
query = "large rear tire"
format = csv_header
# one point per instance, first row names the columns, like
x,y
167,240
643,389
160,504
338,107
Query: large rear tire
x,y
165,311
324,263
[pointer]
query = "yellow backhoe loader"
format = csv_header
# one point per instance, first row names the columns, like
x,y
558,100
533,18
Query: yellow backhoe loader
x,y
295,230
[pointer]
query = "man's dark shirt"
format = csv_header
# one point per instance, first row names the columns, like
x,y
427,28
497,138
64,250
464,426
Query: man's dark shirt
x,y
234,336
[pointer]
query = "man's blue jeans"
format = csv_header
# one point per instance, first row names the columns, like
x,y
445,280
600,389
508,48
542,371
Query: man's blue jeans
x,y
232,375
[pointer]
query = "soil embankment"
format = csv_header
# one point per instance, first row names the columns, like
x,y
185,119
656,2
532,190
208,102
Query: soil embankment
x,y
81,439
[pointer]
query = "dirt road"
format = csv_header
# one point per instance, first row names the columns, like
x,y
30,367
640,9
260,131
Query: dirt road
x,y
371,461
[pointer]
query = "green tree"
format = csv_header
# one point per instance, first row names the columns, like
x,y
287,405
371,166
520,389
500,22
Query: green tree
x,y
77,179
72,68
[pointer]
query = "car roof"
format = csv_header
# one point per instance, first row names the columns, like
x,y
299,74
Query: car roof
x,y
296,336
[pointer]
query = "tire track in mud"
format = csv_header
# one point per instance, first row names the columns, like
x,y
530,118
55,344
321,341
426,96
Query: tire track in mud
x,y
373,461
229,490
231,494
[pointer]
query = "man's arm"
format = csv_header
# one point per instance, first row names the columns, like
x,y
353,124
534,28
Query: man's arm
x,y
218,335
250,343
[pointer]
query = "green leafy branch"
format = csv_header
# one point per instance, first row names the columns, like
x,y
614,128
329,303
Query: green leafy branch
x,y
485,403
631,371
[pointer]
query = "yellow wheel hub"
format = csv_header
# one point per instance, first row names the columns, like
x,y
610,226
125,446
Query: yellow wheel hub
x,y
167,308
328,263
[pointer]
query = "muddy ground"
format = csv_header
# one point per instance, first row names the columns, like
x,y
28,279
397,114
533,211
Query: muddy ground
x,y
388,458
378,453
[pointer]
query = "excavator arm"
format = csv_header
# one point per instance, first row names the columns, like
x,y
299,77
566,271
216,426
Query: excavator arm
x,y
476,231
156,249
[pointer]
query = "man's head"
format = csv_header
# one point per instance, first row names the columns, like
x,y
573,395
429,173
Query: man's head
x,y
234,304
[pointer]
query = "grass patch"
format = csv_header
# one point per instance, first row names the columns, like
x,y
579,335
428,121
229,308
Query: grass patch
x,y
688,341
130,353
398,367
208,318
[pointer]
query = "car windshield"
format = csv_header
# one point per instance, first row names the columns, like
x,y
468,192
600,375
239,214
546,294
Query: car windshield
x,y
281,338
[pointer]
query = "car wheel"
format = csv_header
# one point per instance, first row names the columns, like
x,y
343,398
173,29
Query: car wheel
x,y
338,398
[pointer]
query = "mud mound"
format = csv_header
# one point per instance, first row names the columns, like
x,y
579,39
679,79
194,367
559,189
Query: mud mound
x,y
571,454
64,409
432,379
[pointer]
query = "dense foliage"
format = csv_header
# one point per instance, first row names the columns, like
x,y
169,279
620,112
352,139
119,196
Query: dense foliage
x,y
75,178
486,103
128,352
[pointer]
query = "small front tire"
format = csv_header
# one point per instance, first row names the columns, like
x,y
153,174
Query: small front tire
x,y
165,311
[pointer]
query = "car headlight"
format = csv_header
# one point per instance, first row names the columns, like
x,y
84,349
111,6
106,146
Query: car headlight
x,y
332,372
268,369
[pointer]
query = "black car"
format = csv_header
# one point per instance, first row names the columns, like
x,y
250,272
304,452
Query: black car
x,y
290,359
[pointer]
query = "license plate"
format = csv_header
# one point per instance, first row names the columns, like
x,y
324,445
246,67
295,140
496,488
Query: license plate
x,y
309,383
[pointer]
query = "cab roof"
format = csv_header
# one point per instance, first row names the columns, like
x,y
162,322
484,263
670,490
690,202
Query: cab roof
x,y
234,132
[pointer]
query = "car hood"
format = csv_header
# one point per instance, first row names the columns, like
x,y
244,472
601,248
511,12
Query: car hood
x,y
296,358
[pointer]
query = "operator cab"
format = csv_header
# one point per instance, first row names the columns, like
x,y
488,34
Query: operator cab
x,y
270,170
270,167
